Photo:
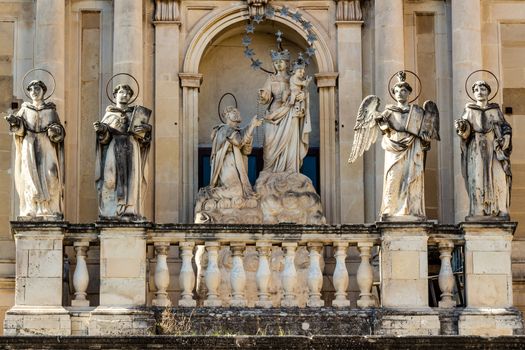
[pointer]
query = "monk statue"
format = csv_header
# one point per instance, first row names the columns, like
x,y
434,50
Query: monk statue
x,y
39,156
123,143
486,145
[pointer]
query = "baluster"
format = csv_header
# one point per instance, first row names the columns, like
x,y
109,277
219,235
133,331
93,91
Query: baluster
x,y
315,275
340,275
446,276
213,275
237,275
365,276
263,275
81,274
289,275
187,275
162,274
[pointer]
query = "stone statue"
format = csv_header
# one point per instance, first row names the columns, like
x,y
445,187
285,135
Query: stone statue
x,y
230,147
407,131
288,122
230,196
485,156
123,142
39,160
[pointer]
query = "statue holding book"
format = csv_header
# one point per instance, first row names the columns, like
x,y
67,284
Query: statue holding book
x,y
123,142
407,132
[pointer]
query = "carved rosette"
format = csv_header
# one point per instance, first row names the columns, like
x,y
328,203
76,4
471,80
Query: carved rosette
x,y
167,11
349,10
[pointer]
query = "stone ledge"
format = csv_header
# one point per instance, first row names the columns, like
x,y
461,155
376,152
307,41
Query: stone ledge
x,y
262,342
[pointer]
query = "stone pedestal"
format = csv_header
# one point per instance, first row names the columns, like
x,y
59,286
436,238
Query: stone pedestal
x,y
38,293
488,281
122,281
404,280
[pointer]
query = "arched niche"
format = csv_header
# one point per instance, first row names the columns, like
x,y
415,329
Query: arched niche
x,y
199,100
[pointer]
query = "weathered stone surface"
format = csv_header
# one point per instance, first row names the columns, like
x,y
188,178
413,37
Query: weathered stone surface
x,y
263,342
289,197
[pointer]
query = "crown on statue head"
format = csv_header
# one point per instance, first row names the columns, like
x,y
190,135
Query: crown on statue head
x,y
299,63
401,76
280,55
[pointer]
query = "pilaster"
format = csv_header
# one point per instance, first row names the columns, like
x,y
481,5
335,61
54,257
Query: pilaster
x,y
350,94
326,83
168,121
466,58
190,83
389,59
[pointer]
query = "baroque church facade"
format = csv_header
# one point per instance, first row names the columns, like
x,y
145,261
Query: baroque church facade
x,y
188,55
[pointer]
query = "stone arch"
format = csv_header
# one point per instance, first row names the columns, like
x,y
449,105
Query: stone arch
x,y
218,22
211,27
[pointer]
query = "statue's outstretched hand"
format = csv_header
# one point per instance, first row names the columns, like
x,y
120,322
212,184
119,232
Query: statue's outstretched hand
x,y
461,126
256,121
12,119
98,126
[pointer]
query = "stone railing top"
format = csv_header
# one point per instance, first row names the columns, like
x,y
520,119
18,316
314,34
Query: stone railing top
x,y
302,234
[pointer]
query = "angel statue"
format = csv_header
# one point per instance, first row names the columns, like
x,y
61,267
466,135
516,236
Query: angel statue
x,y
407,132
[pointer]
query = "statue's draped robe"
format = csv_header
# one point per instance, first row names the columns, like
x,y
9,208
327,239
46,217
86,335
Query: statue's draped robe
x,y
121,166
39,161
286,139
403,184
229,161
485,166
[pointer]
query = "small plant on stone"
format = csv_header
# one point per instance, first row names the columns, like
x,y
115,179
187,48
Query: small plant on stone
x,y
172,324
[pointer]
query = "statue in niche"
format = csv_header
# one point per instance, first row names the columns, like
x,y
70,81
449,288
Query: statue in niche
x,y
230,189
286,194
288,121
123,142
407,132
39,159
486,145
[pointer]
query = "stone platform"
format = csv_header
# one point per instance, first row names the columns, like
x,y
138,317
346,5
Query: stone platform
x,y
263,342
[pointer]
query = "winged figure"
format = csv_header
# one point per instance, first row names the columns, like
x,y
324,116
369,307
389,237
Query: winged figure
x,y
407,131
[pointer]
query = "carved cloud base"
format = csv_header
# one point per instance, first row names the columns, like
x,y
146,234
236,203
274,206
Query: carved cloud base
x,y
289,197
280,197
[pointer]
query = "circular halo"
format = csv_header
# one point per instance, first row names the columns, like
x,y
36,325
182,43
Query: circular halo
x,y
219,105
43,70
477,71
418,81
129,75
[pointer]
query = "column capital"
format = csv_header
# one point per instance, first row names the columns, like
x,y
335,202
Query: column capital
x,y
349,10
166,11
192,80
326,79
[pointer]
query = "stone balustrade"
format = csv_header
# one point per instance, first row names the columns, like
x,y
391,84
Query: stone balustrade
x,y
288,238
234,266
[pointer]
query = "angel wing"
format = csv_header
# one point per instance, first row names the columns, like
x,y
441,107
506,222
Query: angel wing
x,y
430,126
365,127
